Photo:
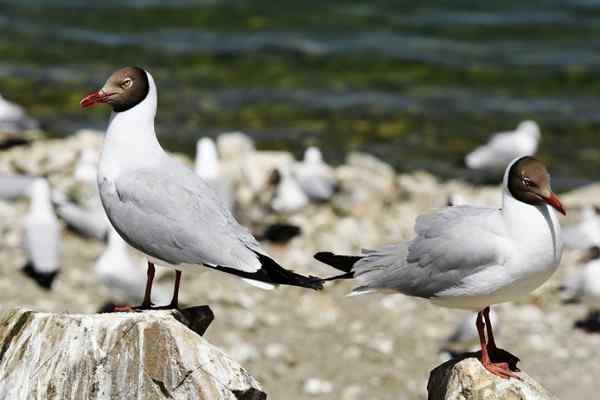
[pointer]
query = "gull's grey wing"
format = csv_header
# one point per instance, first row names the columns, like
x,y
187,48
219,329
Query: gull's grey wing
x,y
174,216
90,223
42,245
13,186
451,244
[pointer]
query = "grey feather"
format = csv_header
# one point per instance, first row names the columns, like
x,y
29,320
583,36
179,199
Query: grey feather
x,y
432,261
187,226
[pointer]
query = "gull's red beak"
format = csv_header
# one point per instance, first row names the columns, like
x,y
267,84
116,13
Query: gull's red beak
x,y
554,202
94,98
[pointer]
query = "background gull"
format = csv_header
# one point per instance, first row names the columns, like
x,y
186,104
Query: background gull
x,y
207,166
14,186
314,176
13,118
41,236
123,275
504,147
586,232
288,195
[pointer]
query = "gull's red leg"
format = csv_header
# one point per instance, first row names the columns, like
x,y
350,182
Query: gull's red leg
x,y
175,299
499,369
488,326
147,303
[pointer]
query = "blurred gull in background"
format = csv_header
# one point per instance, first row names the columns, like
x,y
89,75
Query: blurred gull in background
x,y
87,217
42,236
123,275
208,168
288,196
583,285
504,147
585,233
86,170
14,186
316,178
13,118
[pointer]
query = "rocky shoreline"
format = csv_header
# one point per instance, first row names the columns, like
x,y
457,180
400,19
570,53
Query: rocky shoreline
x,y
317,345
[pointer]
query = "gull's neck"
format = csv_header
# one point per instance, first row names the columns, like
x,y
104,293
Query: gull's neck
x,y
131,141
40,200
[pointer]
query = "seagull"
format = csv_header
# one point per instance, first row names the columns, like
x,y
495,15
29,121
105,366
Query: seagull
x,y
86,170
505,146
14,186
119,272
89,221
583,285
472,257
87,218
316,178
41,239
288,196
586,233
13,118
161,207
207,167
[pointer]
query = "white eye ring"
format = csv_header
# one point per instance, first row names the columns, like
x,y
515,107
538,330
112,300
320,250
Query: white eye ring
x,y
126,84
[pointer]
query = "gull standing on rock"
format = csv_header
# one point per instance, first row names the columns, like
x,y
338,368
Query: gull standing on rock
x,y
42,236
316,178
161,207
506,146
472,257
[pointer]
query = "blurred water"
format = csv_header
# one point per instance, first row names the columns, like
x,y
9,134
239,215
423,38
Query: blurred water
x,y
411,83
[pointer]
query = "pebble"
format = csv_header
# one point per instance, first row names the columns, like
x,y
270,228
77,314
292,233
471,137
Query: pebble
x,y
316,386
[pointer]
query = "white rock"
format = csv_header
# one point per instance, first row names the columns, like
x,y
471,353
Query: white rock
x,y
467,380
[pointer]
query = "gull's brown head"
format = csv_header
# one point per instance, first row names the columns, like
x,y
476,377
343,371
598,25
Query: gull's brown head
x,y
529,182
123,90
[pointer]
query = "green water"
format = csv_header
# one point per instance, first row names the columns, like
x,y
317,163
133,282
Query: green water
x,y
418,86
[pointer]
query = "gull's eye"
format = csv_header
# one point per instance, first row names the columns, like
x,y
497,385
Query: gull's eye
x,y
126,83
528,182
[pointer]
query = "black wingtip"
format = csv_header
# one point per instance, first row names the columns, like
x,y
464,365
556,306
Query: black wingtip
x,y
279,275
44,280
271,272
343,263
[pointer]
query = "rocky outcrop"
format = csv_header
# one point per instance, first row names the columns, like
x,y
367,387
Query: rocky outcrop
x,y
150,355
464,378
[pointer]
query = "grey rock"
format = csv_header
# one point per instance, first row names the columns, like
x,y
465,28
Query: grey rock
x,y
464,378
150,355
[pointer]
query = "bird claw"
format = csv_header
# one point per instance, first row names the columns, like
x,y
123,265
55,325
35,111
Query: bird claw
x,y
501,369
130,308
